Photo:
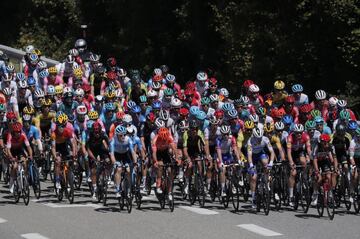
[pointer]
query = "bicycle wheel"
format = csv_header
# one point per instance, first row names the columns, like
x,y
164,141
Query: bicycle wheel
x,y
266,196
235,196
346,193
226,199
105,190
36,182
330,204
320,204
128,195
274,188
16,192
78,177
213,188
171,202
201,191
246,187
357,201
306,197
70,186
25,190
192,190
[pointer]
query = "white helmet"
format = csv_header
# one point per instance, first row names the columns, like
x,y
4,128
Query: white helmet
x,y
29,49
79,92
74,52
127,119
254,118
333,101
214,97
159,123
164,115
157,71
151,93
81,110
298,128
253,88
119,93
279,125
67,90
225,129
7,91
41,65
257,132
175,102
342,103
224,92
201,76
22,84
39,93
320,95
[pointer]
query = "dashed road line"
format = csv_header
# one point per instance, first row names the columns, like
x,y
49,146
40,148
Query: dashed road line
x,y
259,230
201,211
2,220
33,236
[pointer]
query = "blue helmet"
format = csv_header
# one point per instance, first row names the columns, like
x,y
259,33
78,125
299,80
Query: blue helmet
x,y
287,119
43,74
297,88
201,115
352,125
20,76
319,120
120,130
31,81
233,114
109,106
131,104
227,106
194,110
89,124
136,109
156,105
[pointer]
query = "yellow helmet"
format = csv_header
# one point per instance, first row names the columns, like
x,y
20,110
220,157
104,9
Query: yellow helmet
x,y
249,124
37,52
78,73
29,110
52,70
269,127
46,102
93,115
62,119
279,85
59,89
110,94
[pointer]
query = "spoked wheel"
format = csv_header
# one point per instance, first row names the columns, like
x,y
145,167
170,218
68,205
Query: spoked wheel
x,y
36,182
127,195
78,178
201,191
70,187
235,196
16,192
104,191
122,201
357,202
330,204
226,199
274,190
213,189
171,202
266,198
320,204
100,188
25,190
246,188
306,197
192,191
346,197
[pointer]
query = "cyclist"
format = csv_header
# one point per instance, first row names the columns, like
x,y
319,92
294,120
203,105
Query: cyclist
x,y
354,155
300,97
43,121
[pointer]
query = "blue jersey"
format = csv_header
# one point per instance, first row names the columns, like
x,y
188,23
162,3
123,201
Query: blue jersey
x,y
121,147
136,141
32,133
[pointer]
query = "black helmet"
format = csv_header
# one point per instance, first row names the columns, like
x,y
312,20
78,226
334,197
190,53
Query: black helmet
x,y
193,124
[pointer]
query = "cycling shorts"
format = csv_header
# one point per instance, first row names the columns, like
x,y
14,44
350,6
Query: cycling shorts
x,y
324,165
164,156
259,157
227,158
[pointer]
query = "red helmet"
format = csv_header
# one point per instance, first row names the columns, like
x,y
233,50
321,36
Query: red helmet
x,y
305,108
219,114
151,117
157,78
10,115
247,83
189,92
290,99
190,85
97,127
184,112
120,115
325,138
86,88
111,75
16,127
111,61
164,133
277,113
212,81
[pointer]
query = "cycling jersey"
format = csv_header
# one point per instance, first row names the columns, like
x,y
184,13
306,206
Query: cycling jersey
x,y
62,137
18,142
32,133
121,147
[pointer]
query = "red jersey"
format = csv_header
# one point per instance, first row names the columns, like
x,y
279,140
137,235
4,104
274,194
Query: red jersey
x,y
296,143
17,143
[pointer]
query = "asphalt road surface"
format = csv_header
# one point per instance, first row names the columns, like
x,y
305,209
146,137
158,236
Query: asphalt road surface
x,y
48,218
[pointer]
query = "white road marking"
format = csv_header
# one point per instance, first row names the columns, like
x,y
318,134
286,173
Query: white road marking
x,y
202,211
2,220
53,205
259,230
33,236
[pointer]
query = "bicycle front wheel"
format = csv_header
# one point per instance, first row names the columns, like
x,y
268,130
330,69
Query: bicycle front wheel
x,y
330,204
36,182
70,186
25,190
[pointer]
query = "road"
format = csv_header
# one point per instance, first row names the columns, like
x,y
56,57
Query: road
x,y
48,218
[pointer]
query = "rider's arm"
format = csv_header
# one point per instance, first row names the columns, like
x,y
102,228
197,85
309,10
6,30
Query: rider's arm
x,y
271,150
352,152
288,147
249,152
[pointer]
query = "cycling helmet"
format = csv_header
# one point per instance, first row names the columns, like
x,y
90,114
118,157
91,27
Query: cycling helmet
x,y
43,74
99,98
224,92
151,117
219,114
352,125
61,119
7,91
151,93
143,99
2,108
120,130
136,109
156,105
16,127
238,102
170,78
287,119
254,118
163,133
184,112
37,52
201,76
342,103
46,102
75,52
80,44
261,111
131,130
344,114
109,107
194,124
168,92
157,71
39,93
78,73
119,115
289,99
225,129
205,101
201,115
214,98
310,124
183,125
320,95
227,106
279,85
164,115
41,65
175,103
298,128
50,90
315,113
325,138
20,76
10,115
319,120
254,88
245,100
156,85
333,101
127,119
70,59
29,49
81,110
194,110
52,70
93,115
110,94
131,104
189,92
26,117
122,72
249,124
357,132
10,67
269,127
257,132
33,59
306,108
279,126
67,90
212,82
159,123
79,92
7,77
59,89
297,88
29,110
233,114
213,120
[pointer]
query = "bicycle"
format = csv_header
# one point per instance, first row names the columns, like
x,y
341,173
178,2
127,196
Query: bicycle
x,y
276,185
302,189
21,184
262,193
137,176
34,178
326,198
126,194
357,193
103,176
197,188
342,189
232,187
48,160
66,180
165,181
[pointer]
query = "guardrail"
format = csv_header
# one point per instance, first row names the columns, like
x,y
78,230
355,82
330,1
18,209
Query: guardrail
x,y
16,55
